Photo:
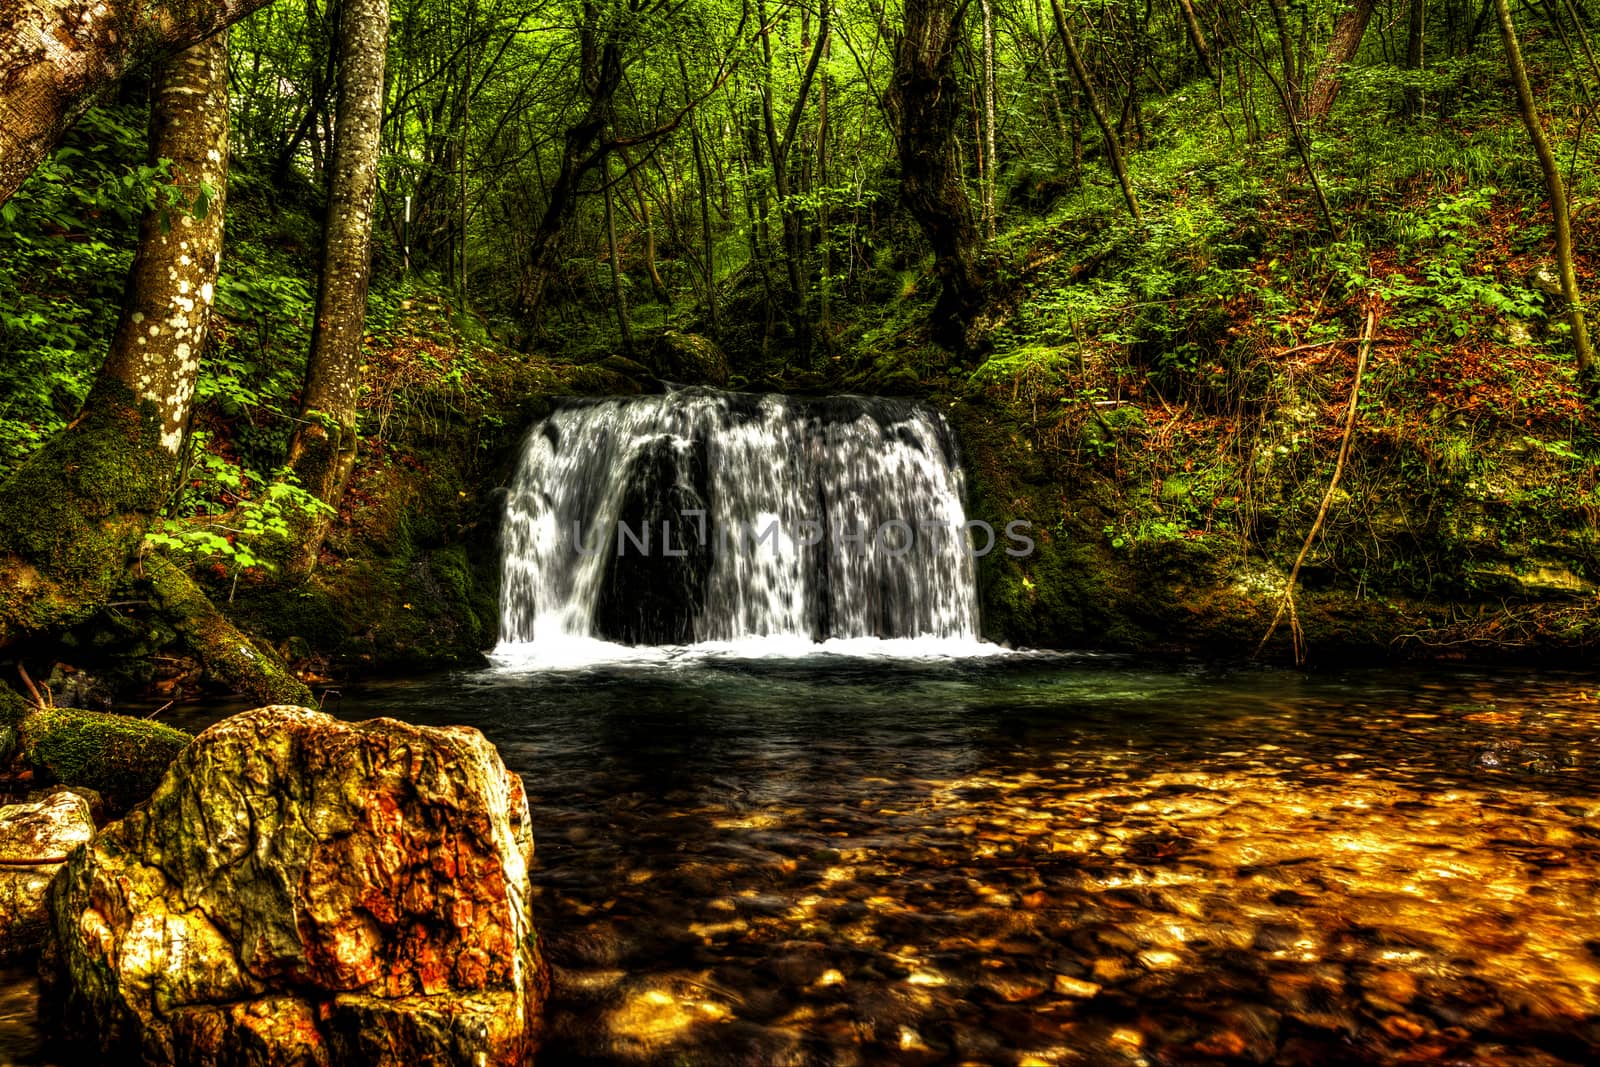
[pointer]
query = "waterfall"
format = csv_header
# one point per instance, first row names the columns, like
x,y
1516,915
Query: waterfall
x,y
701,516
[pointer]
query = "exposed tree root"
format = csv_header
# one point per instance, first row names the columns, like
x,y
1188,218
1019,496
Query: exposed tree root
x,y
1286,603
230,658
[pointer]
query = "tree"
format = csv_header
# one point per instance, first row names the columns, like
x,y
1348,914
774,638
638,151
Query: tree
x,y
990,174
1197,38
927,104
1347,35
74,512
57,56
1115,154
322,451
1554,186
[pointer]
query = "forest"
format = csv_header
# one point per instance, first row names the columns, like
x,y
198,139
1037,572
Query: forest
x,y
1139,245
1266,319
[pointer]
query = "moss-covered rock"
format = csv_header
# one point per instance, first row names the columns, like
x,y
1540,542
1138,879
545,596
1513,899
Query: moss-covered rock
x,y
689,359
72,513
13,708
119,757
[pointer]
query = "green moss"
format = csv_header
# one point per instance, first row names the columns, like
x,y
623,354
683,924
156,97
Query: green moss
x,y
13,708
464,594
306,612
121,758
71,515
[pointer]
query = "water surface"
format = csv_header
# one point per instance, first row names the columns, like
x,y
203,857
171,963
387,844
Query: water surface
x,y
1032,859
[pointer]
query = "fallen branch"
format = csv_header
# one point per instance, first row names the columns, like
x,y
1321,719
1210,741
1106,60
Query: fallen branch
x,y
1309,345
1286,602
33,690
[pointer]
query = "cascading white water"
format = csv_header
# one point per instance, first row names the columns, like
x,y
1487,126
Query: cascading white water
x,y
699,516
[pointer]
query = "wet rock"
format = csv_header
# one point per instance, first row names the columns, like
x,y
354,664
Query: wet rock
x,y
689,359
72,688
1068,986
35,840
301,890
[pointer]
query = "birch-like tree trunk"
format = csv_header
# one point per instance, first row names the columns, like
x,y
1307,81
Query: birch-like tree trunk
x,y
72,514
322,451
1416,27
57,55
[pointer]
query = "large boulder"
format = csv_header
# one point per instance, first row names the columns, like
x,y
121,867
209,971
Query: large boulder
x,y
689,359
35,840
301,890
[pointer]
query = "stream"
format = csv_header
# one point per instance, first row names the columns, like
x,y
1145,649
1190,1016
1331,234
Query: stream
x,y
846,859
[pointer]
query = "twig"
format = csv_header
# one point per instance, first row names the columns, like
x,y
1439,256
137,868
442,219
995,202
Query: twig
x,y
159,710
1287,600
33,690
1335,341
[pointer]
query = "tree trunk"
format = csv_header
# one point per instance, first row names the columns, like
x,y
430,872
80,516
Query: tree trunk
x,y
658,287
600,75
780,146
1291,70
71,515
1347,35
1113,142
322,451
708,238
624,327
56,56
926,101
1197,38
990,177
1553,185
1415,27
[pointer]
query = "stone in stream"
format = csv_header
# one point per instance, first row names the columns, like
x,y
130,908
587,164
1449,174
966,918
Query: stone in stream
x,y
689,359
35,839
301,890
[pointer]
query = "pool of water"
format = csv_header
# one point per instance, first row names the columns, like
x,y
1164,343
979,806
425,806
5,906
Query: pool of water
x,y
1046,859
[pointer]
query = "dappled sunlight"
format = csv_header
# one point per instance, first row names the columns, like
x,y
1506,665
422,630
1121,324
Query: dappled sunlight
x,y
1085,897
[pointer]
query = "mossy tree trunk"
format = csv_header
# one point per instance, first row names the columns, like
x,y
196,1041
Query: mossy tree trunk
x,y
1554,185
73,513
56,56
231,659
322,451
927,103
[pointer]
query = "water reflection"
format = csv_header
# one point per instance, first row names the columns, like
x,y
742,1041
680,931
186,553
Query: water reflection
x,y
1033,860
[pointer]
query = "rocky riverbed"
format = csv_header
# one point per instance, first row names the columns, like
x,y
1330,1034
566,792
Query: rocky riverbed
x,y
1054,862
1333,895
